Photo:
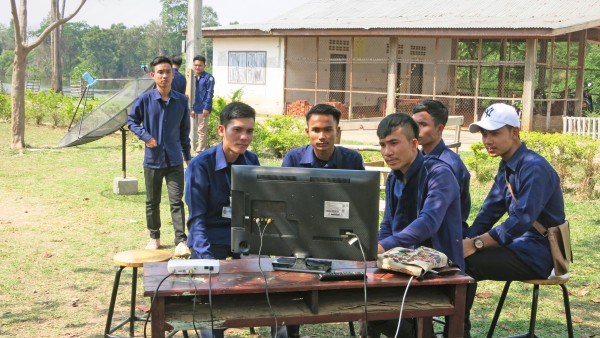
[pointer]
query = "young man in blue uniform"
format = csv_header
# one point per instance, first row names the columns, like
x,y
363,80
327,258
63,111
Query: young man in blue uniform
x,y
161,118
432,116
208,188
179,81
422,203
205,88
514,249
322,128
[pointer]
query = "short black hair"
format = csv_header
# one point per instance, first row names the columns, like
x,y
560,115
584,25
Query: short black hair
x,y
236,110
176,59
200,58
160,59
435,108
391,122
324,109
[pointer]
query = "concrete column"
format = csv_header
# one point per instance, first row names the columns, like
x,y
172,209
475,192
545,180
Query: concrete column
x,y
529,85
392,74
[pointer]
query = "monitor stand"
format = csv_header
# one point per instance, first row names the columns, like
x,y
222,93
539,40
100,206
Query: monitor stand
x,y
301,264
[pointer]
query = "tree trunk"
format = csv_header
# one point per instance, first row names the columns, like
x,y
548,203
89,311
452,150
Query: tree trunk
x,y
56,82
17,95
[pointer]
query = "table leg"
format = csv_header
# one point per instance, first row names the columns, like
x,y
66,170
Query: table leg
x,y
158,318
456,321
424,327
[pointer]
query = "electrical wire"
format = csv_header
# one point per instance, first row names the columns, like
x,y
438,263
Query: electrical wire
x,y
402,306
194,304
350,242
262,232
152,303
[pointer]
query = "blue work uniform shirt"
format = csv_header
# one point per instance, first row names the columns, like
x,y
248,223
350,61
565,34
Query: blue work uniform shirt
x,y
205,89
207,191
179,81
536,186
423,208
462,176
342,158
169,124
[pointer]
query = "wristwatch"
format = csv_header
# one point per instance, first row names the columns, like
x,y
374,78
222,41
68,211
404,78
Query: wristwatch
x,y
478,243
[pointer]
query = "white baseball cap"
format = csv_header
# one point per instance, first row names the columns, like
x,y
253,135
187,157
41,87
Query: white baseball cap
x,y
495,117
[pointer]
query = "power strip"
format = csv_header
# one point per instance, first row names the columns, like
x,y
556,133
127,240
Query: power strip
x,y
193,266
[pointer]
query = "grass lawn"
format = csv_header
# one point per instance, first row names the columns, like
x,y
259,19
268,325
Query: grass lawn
x,y
61,224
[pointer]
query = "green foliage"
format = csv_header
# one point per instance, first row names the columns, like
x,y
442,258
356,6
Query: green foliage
x,y
219,103
278,135
482,163
5,107
572,156
49,107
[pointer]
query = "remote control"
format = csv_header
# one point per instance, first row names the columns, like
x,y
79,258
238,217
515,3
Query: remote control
x,y
341,275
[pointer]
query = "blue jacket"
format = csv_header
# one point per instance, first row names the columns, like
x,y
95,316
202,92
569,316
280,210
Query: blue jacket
x,y
537,188
179,82
462,176
342,158
207,191
169,124
205,89
423,208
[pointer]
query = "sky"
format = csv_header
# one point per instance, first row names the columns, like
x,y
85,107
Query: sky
x,y
103,13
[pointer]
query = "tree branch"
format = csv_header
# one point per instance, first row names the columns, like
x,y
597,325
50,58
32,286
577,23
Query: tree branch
x,y
52,26
15,17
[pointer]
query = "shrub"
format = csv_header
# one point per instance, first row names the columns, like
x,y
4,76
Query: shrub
x,y
278,135
484,166
5,107
219,103
48,106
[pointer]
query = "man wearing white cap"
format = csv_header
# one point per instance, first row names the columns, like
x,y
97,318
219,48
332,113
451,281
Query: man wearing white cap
x,y
514,249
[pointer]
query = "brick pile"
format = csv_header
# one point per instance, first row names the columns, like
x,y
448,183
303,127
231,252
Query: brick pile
x,y
340,106
297,108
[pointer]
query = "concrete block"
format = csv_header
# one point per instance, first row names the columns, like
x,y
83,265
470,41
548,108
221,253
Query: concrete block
x,y
125,186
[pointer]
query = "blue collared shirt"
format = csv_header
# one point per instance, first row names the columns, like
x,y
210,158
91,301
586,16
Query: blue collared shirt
x,y
179,82
462,176
423,208
207,191
537,189
169,124
342,158
205,89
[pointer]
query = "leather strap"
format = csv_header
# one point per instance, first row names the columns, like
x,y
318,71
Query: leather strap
x,y
537,225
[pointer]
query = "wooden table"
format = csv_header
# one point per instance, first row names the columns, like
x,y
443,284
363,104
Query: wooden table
x,y
238,297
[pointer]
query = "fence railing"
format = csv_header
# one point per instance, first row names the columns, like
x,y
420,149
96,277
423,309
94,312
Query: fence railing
x,y
589,126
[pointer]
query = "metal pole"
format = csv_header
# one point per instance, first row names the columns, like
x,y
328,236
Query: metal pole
x,y
123,153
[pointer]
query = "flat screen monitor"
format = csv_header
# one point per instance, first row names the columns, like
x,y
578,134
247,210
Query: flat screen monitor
x,y
304,214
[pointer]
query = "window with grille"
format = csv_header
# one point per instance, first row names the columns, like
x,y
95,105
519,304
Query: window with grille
x,y
247,67
339,45
418,50
400,49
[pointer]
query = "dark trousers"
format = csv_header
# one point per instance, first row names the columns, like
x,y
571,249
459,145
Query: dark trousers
x,y
154,182
494,263
376,328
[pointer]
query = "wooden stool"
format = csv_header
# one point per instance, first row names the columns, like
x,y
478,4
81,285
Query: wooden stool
x,y
558,280
134,259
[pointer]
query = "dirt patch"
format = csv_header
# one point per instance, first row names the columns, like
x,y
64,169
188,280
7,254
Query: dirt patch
x,y
18,210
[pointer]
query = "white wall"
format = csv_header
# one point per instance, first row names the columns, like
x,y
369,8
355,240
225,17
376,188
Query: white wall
x,y
265,98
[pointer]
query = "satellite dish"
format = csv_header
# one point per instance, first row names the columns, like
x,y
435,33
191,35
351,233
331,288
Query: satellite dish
x,y
107,118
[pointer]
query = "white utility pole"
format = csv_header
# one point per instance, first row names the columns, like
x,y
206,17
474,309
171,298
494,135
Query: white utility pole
x,y
193,48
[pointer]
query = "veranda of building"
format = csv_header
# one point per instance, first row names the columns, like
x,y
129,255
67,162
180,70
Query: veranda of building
x,y
378,57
